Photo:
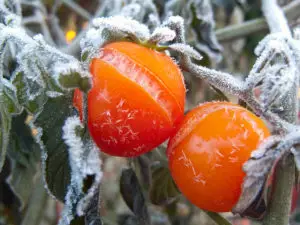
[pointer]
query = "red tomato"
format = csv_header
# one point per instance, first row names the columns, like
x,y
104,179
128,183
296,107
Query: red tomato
x,y
207,153
136,100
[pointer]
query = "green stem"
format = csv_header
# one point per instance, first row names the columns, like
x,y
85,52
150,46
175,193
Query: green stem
x,y
220,220
280,205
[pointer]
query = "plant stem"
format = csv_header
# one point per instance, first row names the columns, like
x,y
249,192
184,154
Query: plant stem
x,y
280,204
220,220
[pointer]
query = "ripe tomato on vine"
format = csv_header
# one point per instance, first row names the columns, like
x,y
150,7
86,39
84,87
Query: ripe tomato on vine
x,y
136,101
207,153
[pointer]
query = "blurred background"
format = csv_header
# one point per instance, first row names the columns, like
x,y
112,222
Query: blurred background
x,y
227,39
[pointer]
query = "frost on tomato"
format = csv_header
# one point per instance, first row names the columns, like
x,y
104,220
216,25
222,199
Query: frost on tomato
x,y
136,101
207,153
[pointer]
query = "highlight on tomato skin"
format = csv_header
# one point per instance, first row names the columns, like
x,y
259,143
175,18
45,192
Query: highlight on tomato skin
x,y
208,151
136,101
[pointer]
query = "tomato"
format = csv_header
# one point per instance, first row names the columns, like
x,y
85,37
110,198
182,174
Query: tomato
x,y
136,101
207,153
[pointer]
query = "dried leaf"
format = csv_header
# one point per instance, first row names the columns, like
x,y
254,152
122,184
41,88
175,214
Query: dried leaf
x,y
133,196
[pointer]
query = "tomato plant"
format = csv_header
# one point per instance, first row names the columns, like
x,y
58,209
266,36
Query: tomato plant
x,y
207,153
136,100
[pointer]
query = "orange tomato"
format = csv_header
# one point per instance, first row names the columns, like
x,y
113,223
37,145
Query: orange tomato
x,y
136,100
207,153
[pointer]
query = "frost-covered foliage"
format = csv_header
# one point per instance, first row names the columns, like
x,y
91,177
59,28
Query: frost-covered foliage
x,y
36,82
35,79
84,160
105,30
199,21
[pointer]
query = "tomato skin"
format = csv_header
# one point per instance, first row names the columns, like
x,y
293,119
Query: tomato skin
x,y
207,153
136,101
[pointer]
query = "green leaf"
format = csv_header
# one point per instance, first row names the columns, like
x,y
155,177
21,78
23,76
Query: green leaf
x,y
133,196
163,190
24,154
74,80
5,123
8,106
56,163
32,106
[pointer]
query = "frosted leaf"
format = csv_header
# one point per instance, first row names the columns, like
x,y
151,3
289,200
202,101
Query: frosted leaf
x,y
162,35
84,161
119,24
198,16
8,106
278,82
260,165
280,43
43,65
257,170
185,50
5,125
111,29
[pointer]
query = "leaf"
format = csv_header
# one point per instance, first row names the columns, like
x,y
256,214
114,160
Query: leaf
x,y
163,190
71,161
82,197
8,106
133,196
5,123
142,168
73,79
24,154
203,24
257,170
278,82
55,157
